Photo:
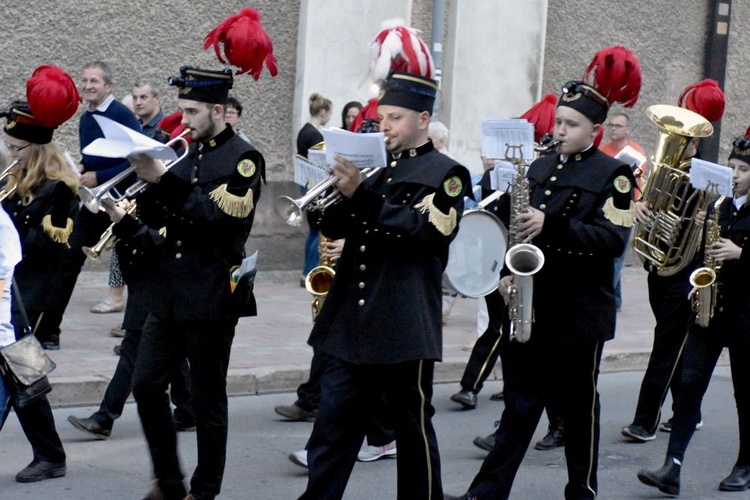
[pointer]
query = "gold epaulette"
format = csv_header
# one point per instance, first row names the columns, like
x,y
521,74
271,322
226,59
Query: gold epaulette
x,y
445,223
618,216
58,234
230,204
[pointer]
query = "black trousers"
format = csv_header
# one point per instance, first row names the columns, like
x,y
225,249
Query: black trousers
x,y
487,348
38,425
87,229
533,372
379,430
164,345
668,298
340,427
701,354
120,386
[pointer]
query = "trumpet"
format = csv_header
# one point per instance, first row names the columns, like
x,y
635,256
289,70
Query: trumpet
x,y
4,193
91,197
292,209
107,240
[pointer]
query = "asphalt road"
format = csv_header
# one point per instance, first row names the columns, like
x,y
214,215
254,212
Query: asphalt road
x,y
258,468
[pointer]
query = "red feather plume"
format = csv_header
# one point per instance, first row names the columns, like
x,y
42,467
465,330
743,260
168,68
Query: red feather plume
x,y
747,132
542,116
599,137
52,96
246,44
616,74
704,98
369,111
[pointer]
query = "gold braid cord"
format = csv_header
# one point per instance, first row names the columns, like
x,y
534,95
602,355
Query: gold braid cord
x,y
445,223
618,216
230,204
58,234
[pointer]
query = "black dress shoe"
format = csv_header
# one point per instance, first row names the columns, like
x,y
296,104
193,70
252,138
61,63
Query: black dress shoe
x,y
498,396
666,479
467,399
486,443
738,480
554,439
296,413
90,426
39,471
638,433
51,345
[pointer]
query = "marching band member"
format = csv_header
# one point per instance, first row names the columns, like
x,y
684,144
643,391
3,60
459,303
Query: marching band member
x,y
729,327
207,203
380,324
42,205
666,296
580,218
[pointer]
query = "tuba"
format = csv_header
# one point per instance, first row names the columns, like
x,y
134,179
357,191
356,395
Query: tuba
x,y
703,279
523,259
671,238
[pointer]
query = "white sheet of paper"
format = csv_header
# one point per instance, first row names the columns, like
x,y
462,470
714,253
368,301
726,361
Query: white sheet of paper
x,y
120,142
363,150
507,138
502,175
631,156
307,173
711,177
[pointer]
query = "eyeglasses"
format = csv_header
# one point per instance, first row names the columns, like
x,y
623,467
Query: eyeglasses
x,y
614,125
16,149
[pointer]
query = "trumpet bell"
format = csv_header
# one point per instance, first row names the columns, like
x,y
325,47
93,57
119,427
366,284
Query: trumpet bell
x,y
289,210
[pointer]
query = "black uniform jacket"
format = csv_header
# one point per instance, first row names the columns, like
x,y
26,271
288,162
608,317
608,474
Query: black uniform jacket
x,y
587,203
44,226
207,204
138,251
731,318
384,305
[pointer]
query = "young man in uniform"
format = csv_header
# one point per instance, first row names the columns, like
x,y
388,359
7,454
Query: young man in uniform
x,y
206,201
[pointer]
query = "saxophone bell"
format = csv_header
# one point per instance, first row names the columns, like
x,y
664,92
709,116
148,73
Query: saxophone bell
x,y
524,261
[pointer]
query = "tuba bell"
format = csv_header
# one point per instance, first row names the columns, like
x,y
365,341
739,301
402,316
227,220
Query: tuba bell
x,y
672,237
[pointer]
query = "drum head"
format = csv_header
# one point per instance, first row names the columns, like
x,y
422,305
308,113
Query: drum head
x,y
476,254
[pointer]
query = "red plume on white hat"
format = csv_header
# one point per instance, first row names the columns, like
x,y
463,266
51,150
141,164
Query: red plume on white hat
x,y
399,48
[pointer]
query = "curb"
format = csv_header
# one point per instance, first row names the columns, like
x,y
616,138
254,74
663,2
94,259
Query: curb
x,y
88,391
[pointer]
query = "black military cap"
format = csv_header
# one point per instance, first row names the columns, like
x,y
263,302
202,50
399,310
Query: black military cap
x,y
203,85
21,124
408,91
585,99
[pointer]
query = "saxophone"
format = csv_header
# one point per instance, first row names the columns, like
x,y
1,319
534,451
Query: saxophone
x,y
318,280
523,259
704,279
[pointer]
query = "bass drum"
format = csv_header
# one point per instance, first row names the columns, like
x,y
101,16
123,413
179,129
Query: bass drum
x,y
476,255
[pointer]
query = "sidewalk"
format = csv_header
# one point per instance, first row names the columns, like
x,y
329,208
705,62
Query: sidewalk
x,y
270,353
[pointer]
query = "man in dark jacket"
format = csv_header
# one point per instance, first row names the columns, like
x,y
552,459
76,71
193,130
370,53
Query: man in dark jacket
x,y
381,322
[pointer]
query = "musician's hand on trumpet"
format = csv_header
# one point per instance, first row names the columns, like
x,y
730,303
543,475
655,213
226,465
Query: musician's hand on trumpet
x,y
116,211
348,176
147,168
88,179
530,224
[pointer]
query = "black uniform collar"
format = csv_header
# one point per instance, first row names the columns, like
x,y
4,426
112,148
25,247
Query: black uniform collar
x,y
582,155
216,141
418,151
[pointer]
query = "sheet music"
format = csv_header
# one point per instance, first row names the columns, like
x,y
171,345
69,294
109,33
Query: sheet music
x,y
631,156
502,176
120,142
711,177
363,150
308,173
500,135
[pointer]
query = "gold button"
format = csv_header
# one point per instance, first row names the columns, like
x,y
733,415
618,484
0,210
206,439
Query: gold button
x,y
553,178
542,206
559,167
388,180
361,302
362,267
393,163
193,180
178,256
200,156
361,285
362,248
178,243
548,192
